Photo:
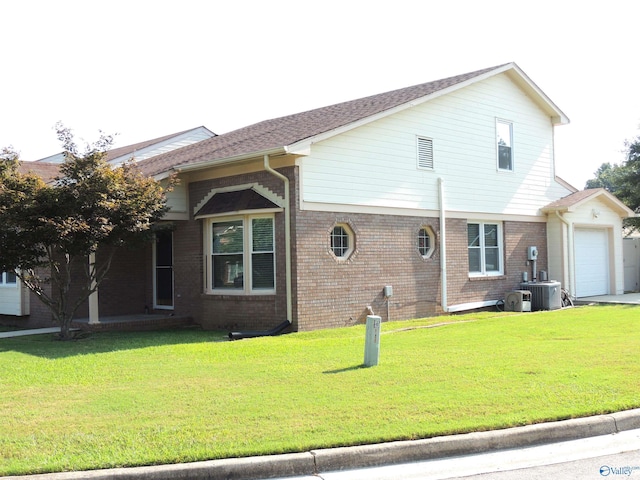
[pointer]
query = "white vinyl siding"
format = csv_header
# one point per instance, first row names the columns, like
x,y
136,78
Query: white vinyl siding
x,y
375,165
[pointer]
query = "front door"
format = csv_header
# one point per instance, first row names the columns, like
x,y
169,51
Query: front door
x,y
163,270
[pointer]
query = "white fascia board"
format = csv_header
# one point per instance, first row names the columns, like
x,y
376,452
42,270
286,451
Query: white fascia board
x,y
609,199
528,86
227,160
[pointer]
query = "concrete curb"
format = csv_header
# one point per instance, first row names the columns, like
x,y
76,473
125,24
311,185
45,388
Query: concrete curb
x,y
317,462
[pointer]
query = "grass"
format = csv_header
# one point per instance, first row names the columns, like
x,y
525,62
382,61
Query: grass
x,y
117,399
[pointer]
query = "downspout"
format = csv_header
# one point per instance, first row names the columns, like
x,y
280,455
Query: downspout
x,y
443,248
287,235
570,255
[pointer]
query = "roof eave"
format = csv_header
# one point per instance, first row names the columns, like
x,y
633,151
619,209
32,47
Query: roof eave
x,y
521,79
227,160
613,201
513,71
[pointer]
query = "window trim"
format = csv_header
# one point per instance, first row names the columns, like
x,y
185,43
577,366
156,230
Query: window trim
x,y
483,265
247,255
432,241
352,241
5,284
508,123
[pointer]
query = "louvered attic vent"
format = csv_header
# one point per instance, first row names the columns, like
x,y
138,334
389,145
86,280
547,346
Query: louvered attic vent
x,y
425,153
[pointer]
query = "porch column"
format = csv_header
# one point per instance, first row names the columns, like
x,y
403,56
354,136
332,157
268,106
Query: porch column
x,y
94,316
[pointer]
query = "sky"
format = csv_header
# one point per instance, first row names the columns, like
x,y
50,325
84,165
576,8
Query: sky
x,y
143,69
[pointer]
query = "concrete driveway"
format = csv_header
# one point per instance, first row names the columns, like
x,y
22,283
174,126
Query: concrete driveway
x,y
627,298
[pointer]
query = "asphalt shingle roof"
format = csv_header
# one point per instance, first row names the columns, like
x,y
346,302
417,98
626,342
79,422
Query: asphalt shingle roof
x,y
46,171
287,130
573,199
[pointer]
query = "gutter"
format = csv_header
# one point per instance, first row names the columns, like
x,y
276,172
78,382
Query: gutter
x,y
287,233
443,248
218,162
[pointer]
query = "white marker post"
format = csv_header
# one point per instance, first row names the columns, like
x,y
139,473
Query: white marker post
x,y
372,341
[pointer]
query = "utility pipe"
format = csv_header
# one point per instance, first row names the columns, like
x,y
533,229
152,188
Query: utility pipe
x,y
287,235
443,247
570,254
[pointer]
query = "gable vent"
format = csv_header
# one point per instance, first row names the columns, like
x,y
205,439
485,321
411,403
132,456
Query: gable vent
x,y
425,153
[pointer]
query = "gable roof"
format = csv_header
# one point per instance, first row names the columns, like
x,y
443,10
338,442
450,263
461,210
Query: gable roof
x,y
572,202
147,148
46,171
295,133
235,201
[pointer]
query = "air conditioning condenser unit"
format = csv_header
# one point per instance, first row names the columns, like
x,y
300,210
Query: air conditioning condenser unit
x,y
518,301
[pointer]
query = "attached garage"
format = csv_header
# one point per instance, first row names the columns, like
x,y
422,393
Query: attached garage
x,y
592,262
584,242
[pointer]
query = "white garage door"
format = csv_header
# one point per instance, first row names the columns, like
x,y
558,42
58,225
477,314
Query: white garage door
x,y
592,262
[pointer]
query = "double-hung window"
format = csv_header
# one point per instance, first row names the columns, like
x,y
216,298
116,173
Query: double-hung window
x,y
504,143
485,248
242,255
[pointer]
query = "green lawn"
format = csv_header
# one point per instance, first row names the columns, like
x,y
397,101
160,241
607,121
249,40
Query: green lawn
x,y
116,399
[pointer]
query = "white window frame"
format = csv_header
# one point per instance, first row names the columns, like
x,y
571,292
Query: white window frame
x,y
350,237
483,249
247,256
424,153
509,124
432,241
5,284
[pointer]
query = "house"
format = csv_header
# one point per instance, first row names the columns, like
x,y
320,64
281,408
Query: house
x,y
436,191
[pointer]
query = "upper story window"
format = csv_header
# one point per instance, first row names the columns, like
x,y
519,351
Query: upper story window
x,y
504,139
485,248
8,278
242,251
426,243
425,153
342,241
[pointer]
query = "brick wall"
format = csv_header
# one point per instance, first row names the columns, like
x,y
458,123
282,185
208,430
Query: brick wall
x,y
335,293
232,312
332,293
517,237
124,288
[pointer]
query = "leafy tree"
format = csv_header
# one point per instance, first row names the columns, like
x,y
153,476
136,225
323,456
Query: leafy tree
x,y
623,180
48,232
607,177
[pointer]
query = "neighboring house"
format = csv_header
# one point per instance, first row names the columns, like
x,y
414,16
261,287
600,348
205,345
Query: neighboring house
x,y
436,190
